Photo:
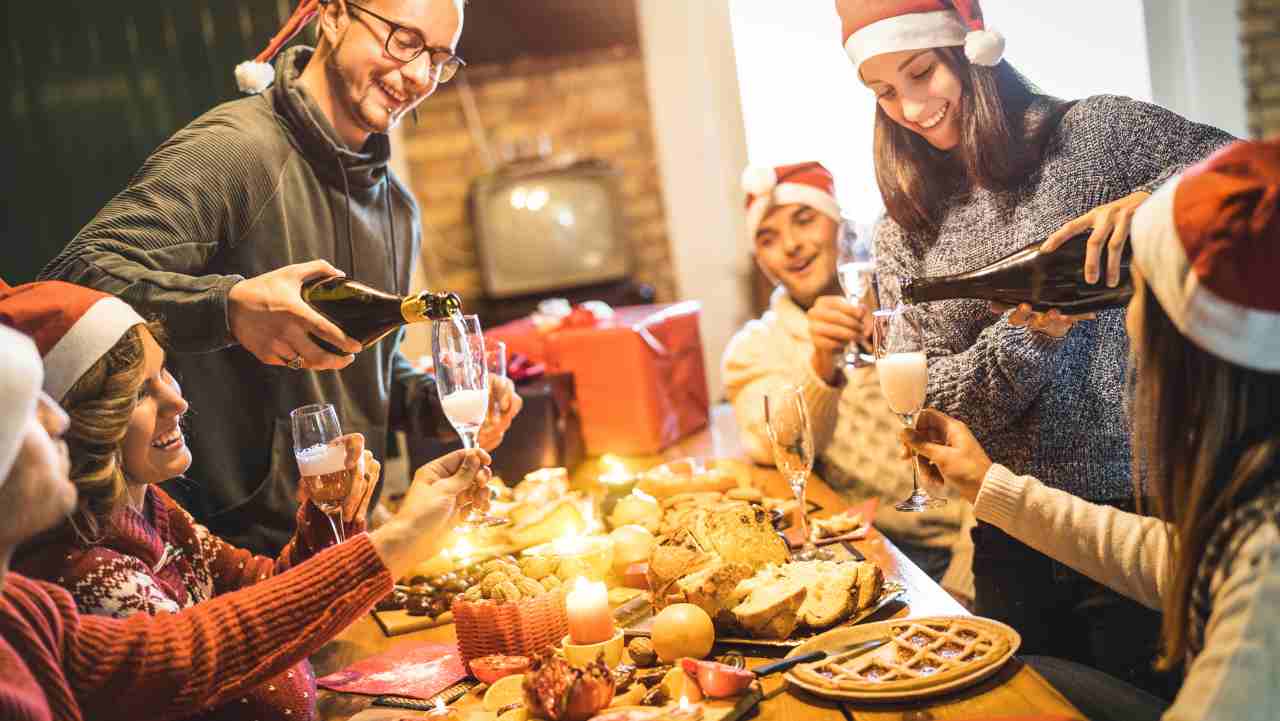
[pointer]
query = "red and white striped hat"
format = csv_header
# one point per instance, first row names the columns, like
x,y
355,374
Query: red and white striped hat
x,y
72,326
1208,246
253,76
20,375
876,27
806,183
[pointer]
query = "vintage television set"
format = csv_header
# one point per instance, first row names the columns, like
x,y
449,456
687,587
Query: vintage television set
x,y
550,228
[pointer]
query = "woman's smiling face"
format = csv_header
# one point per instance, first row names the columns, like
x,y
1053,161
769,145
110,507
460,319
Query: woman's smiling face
x,y
918,91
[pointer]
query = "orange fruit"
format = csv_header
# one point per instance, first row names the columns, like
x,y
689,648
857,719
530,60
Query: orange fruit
x,y
681,630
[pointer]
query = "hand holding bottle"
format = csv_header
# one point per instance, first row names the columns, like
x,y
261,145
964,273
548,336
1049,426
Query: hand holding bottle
x,y
268,317
1052,323
1110,225
834,323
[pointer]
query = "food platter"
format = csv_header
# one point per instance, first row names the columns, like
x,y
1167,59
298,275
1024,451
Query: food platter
x,y
636,617
1001,642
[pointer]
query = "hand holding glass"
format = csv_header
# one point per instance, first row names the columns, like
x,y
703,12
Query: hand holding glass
x,y
904,376
462,379
856,270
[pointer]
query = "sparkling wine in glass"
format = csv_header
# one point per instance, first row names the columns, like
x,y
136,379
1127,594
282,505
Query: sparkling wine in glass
x,y
462,380
787,420
856,271
904,374
322,460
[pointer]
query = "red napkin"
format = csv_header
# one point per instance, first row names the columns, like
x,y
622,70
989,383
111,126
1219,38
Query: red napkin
x,y
418,671
795,538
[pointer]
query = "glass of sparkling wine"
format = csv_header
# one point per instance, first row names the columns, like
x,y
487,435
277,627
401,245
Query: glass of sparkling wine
x,y
904,375
787,420
322,460
856,271
462,380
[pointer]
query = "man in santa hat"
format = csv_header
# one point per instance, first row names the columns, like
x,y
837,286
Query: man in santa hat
x,y
793,223
212,233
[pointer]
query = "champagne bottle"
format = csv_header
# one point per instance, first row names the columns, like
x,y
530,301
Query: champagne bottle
x,y
367,314
1043,280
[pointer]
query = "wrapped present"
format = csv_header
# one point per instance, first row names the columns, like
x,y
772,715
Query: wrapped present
x,y
638,373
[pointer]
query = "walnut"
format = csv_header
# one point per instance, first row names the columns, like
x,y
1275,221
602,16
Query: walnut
x,y
551,583
506,592
539,567
473,594
642,652
571,568
529,587
492,579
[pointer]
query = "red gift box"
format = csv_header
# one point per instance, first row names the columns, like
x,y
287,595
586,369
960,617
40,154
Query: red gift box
x,y
641,384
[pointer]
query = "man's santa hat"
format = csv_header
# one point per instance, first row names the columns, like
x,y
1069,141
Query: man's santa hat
x,y
876,27
20,376
72,327
1208,246
805,183
253,76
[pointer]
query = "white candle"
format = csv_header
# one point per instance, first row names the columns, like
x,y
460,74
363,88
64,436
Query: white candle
x,y
587,607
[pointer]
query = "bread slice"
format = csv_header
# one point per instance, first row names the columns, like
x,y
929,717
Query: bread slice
x,y
870,584
668,564
771,611
711,589
833,597
740,533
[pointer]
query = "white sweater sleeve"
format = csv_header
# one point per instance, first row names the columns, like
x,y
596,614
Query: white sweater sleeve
x,y
1122,550
1235,677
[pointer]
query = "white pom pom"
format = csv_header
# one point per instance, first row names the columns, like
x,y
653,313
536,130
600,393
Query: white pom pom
x,y
253,77
759,180
984,47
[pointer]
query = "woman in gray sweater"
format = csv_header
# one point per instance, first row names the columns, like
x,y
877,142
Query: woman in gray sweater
x,y
973,164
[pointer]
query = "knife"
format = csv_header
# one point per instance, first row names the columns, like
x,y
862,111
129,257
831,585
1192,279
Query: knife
x,y
852,650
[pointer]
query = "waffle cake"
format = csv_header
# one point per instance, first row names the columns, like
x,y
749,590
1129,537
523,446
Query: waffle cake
x,y
920,654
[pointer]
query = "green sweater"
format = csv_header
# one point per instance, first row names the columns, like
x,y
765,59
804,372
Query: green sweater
x,y
253,185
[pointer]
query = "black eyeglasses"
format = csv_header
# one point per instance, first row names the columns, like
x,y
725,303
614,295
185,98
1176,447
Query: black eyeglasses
x,y
406,44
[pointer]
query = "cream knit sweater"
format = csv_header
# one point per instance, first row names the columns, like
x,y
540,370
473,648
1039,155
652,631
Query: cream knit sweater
x,y
1237,674
855,432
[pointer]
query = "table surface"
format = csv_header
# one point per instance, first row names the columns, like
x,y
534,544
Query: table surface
x,y
1015,690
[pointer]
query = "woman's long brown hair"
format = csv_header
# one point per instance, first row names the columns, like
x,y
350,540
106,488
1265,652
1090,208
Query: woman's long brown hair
x,y
997,149
100,405
1204,438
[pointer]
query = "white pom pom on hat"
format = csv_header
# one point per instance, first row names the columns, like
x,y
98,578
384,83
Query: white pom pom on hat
x,y
253,77
984,47
759,179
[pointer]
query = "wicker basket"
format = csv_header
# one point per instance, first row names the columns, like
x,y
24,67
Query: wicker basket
x,y
512,629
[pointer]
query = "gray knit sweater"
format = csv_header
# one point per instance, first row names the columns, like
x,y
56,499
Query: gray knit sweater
x,y
1052,408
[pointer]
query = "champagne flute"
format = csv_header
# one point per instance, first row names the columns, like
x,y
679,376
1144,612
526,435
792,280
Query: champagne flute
x,y
495,359
787,420
904,375
322,460
856,270
462,380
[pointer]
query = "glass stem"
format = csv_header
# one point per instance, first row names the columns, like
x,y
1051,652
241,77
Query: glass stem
x,y
468,439
909,420
336,525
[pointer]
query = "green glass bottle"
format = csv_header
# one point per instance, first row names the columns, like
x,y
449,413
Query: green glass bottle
x,y
367,314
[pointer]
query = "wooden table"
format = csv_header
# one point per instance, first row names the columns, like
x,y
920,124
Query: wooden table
x,y
1015,690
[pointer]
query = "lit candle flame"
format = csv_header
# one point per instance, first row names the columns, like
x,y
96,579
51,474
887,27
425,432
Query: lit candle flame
x,y
684,703
440,707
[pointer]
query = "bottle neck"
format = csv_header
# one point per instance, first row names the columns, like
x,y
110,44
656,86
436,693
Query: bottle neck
x,y
414,308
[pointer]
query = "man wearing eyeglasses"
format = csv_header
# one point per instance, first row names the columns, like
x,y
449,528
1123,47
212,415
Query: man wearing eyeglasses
x,y
223,223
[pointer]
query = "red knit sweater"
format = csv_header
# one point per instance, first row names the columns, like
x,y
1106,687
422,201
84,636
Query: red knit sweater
x,y
162,560
57,664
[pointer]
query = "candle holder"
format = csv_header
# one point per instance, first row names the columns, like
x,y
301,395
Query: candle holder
x,y
580,655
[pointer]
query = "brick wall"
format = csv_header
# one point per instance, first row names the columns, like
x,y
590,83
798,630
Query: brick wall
x,y
592,104
1260,26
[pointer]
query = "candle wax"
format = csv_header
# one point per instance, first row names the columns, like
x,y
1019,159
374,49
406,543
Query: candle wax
x,y
587,607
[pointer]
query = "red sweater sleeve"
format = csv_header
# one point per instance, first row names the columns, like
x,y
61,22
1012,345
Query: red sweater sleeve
x,y
175,665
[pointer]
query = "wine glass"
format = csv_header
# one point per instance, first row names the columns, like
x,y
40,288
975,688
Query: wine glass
x,y
904,374
495,360
462,380
787,420
322,460
856,271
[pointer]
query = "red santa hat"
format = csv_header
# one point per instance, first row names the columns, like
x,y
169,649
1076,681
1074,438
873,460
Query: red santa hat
x,y
805,183
876,27
20,376
253,76
1208,246
72,327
